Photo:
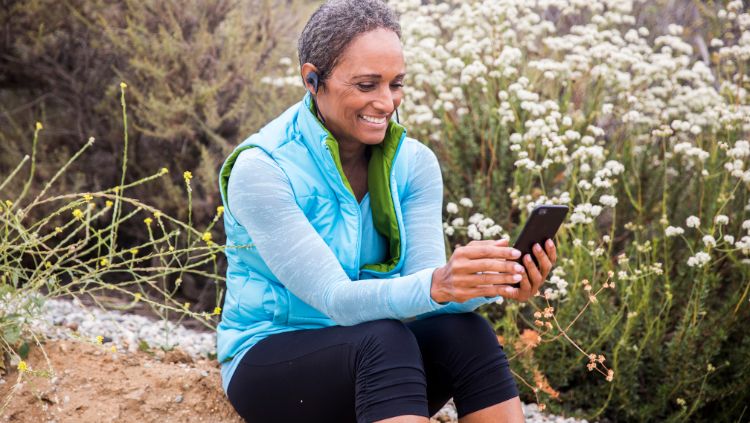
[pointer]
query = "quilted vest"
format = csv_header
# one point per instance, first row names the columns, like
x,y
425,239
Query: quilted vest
x,y
256,302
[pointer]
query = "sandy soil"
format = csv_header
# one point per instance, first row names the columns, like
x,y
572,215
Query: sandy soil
x,y
93,384
90,384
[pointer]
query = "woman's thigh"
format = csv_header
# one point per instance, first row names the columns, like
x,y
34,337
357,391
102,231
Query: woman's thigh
x,y
365,372
463,359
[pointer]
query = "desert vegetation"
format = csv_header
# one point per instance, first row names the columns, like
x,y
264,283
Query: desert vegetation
x,y
635,113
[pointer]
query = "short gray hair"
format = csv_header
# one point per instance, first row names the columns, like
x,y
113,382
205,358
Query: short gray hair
x,y
335,24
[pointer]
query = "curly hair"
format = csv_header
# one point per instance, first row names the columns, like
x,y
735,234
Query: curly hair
x,y
337,23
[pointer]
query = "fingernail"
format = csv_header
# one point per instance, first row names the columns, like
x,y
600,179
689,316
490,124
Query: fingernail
x,y
515,253
537,248
528,258
518,268
517,277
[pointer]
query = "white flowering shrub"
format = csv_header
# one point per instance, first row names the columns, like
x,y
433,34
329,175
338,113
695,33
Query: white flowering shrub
x,y
642,129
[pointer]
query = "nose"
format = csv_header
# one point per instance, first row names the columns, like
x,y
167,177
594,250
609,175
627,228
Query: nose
x,y
387,100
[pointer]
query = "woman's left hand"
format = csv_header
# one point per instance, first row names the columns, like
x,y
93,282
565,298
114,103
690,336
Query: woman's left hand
x,y
534,276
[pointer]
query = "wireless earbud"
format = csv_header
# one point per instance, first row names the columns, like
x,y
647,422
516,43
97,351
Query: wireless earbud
x,y
312,79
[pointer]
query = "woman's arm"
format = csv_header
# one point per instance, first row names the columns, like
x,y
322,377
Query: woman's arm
x,y
262,201
422,207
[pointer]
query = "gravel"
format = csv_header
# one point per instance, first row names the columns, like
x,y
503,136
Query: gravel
x,y
127,331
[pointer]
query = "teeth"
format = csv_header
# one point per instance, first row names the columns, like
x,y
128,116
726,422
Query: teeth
x,y
373,119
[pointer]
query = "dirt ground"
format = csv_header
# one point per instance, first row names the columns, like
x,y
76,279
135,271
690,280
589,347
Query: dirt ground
x,y
93,384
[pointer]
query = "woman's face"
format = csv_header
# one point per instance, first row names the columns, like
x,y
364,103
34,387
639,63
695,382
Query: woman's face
x,y
364,88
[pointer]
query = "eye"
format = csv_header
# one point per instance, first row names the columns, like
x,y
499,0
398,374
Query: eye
x,y
363,86
397,85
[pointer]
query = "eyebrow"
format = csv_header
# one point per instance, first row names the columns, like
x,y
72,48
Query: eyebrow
x,y
377,76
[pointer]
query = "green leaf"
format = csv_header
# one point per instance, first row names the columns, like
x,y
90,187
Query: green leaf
x,y
12,334
24,350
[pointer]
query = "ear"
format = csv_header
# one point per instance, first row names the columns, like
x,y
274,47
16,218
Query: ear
x,y
305,71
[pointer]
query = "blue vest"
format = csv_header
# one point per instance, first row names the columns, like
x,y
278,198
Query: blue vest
x,y
257,304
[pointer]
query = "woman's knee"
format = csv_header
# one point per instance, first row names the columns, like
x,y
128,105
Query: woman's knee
x,y
390,375
389,337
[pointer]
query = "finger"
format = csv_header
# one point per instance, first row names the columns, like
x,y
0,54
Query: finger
x,y
476,280
487,241
551,251
525,289
489,251
544,264
509,292
533,272
489,265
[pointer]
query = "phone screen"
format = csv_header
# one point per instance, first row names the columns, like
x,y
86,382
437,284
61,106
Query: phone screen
x,y
542,224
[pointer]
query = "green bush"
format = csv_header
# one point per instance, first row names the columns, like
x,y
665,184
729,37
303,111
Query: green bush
x,y
637,130
193,70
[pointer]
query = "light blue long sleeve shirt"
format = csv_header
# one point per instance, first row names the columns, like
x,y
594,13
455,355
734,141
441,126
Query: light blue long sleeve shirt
x,y
264,204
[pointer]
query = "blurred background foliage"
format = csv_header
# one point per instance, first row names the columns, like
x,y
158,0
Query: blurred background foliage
x,y
193,71
200,80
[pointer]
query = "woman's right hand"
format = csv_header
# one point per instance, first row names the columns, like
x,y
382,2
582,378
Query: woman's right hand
x,y
465,275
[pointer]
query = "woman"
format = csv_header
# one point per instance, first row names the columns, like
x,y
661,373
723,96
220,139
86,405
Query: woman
x,y
342,216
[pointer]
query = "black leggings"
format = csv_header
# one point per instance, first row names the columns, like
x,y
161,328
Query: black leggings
x,y
373,371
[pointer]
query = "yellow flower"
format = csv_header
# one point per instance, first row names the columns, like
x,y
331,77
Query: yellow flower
x,y
187,175
39,126
171,248
47,264
133,251
157,214
58,230
114,349
88,197
217,310
22,366
8,203
99,339
77,213
104,262
163,170
147,221
186,306
123,85
220,210
108,203
137,297
116,189
207,236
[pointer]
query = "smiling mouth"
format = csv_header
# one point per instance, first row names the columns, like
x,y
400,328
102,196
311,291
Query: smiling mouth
x,y
374,120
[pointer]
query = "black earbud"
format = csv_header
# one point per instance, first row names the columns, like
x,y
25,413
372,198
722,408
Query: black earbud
x,y
397,119
312,79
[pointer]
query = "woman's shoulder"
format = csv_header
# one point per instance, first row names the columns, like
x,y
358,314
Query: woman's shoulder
x,y
417,153
254,163
416,148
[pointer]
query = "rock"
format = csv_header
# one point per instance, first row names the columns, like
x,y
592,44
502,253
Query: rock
x,y
177,356
178,399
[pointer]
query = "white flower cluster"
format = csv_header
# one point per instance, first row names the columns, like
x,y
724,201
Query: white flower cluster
x,y
585,213
479,226
700,259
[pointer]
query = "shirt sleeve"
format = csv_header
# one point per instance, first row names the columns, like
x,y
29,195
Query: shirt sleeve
x,y
262,201
422,208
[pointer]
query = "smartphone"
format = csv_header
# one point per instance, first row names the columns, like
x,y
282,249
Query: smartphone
x,y
542,224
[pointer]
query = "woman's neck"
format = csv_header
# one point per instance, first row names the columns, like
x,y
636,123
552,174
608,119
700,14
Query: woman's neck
x,y
353,154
